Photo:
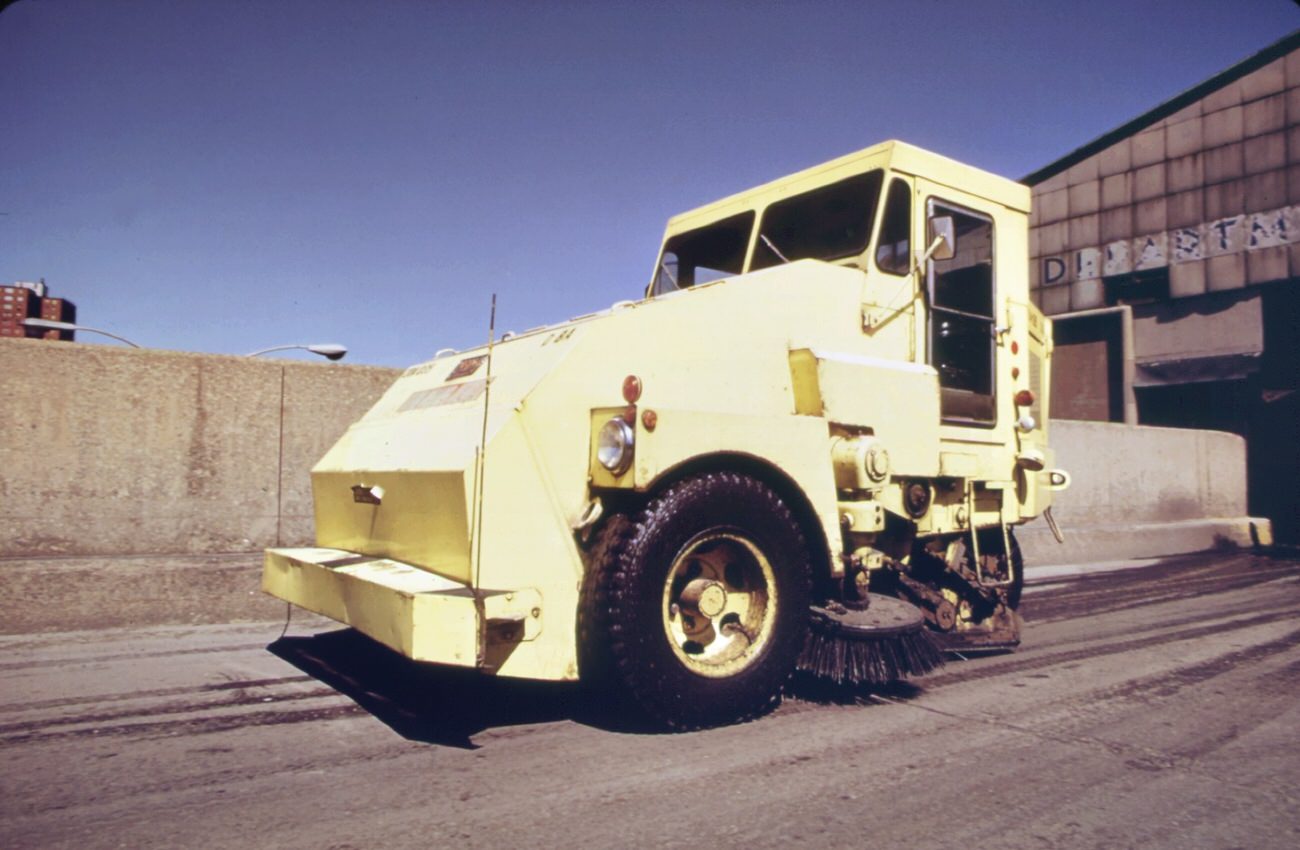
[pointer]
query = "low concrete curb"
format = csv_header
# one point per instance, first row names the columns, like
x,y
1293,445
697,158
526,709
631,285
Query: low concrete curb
x,y
1092,543
76,594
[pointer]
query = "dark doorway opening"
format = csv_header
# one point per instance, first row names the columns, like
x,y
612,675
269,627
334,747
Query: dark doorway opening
x,y
1088,368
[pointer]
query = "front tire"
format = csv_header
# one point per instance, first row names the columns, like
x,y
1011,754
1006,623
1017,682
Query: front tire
x,y
697,607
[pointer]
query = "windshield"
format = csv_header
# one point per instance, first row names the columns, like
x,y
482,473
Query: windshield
x,y
827,223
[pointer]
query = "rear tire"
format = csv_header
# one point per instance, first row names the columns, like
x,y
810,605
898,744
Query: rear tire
x,y
697,608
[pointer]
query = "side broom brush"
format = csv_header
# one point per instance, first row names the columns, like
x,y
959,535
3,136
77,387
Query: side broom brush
x,y
875,644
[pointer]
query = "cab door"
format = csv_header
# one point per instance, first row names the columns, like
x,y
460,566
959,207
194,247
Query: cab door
x,y
961,334
963,320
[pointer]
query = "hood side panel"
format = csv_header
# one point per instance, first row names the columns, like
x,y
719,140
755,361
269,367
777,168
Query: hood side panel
x,y
417,448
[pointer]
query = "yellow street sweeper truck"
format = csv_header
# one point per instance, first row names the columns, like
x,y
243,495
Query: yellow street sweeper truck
x,y
805,447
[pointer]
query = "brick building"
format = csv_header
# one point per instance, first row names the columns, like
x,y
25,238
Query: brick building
x,y
26,300
1168,252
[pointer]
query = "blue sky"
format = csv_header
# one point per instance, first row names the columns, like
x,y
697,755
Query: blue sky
x,y
226,176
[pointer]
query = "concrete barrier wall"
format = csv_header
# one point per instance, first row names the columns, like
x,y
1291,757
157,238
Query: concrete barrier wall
x,y
1141,492
1127,473
107,450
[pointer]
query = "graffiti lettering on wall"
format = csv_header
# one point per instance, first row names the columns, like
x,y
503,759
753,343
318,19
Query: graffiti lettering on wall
x,y
1247,232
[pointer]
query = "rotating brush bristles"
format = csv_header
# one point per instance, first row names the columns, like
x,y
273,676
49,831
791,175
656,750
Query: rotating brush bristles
x,y
885,642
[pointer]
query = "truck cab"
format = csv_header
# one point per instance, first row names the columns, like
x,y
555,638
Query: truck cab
x,y
960,307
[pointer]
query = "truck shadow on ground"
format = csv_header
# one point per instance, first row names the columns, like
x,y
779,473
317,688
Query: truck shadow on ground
x,y
424,702
446,706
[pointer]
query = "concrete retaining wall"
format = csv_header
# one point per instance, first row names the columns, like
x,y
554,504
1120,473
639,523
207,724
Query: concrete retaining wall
x,y
107,450
1125,473
1139,492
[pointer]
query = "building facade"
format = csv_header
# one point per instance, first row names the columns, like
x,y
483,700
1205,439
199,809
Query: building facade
x,y
1168,252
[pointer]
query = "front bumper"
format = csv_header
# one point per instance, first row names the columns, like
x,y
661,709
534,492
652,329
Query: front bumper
x,y
420,614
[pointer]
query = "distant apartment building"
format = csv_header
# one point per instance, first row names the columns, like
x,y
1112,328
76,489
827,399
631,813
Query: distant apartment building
x,y
1168,252
30,300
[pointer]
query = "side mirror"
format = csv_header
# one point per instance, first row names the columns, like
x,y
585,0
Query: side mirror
x,y
943,238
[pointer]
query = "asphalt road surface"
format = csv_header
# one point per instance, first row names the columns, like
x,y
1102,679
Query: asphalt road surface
x,y
1153,707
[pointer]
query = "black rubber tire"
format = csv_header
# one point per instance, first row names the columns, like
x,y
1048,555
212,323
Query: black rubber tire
x,y
622,634
596,667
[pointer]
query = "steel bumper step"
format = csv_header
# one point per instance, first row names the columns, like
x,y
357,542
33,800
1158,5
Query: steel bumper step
x,y
420,614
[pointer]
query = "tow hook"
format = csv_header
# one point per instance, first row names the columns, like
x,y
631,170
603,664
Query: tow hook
x,y
590,516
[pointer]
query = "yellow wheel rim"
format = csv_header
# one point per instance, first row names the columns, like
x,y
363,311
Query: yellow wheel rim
x,y
719,605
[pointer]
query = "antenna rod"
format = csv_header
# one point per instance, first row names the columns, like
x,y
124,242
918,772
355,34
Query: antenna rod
x,y
479,468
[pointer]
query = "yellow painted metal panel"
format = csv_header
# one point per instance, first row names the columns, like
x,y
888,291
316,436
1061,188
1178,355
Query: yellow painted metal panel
x,y
958,465
527,542
422,517
898,401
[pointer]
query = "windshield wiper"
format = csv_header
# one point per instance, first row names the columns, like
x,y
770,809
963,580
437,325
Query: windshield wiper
x,y
773,248
665,273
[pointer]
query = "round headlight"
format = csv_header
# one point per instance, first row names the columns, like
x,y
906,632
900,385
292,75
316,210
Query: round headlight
x,y
614,445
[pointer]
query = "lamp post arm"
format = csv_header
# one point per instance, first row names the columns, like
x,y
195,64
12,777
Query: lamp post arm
x,y
273,348
106,333
52,325
329,351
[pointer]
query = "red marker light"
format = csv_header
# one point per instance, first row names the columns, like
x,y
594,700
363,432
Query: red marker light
x,y
1024,398
1015,347
631,389
1015,371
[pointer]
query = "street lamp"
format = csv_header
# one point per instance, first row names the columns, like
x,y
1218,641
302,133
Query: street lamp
x,y
51,325
329,351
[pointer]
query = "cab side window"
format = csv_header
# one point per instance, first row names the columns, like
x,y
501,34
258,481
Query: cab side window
x,y
893,248
962,319
705,254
